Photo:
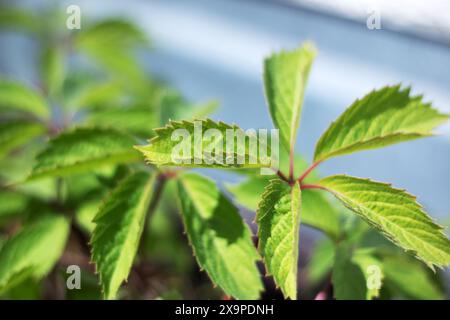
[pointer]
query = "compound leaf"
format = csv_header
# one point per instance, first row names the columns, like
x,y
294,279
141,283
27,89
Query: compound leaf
x,y
278,218
395,213
220,239
84,149
383,117
118,227
285,77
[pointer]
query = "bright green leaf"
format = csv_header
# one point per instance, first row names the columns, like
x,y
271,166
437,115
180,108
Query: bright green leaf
x,y
220,239
16,96
185,144
383,117
285,77
278,219
396,214
16,133
119,225
84,149
33,251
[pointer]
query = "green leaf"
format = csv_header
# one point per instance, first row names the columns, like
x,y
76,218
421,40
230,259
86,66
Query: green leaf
x,y
285,77
220,239
185,144
119,225
137,120
410,278
383,117
12,203
396,214
278,219
16,96
16,133
348,280
83,149
53,68
372,270
33,251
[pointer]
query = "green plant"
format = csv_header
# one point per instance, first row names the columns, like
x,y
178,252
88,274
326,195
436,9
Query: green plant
x,y
70,175
383,117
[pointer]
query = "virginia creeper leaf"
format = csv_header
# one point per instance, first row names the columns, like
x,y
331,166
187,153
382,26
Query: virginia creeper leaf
x,y
285,77
220,239
181,144
322,260
381,118
33,251
53,68
118,227
278,219
84,149
395,213
16,96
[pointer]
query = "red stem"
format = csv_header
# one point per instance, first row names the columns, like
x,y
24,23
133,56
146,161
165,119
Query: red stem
x,y
291,165
282,176
308,171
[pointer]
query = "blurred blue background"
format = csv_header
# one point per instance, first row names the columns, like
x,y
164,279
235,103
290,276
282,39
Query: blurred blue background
x,y
214,49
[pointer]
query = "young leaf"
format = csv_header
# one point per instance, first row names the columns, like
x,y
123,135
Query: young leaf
x,y
278,219
15,96
118,228
84,149
347,277
410,278
15,133
185,144
395,213
33,251
285,77
220,239
383,117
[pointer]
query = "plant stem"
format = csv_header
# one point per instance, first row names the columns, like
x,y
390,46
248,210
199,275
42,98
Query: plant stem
x,y
282,176
308,171
291,165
